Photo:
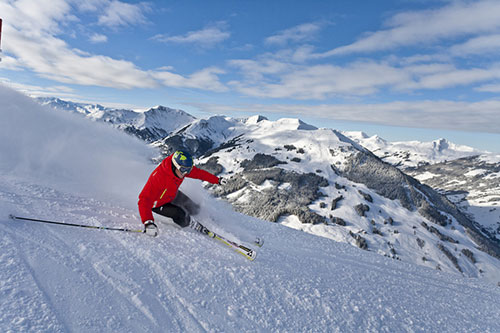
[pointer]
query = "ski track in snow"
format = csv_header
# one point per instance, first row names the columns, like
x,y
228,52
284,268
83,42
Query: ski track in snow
x,y
60,279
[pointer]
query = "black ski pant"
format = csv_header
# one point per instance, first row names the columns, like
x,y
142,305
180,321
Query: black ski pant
x,y
179,210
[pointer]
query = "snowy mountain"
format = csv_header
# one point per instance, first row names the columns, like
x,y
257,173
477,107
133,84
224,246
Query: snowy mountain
x,y
60,279
198,137
319,181
468,177
472,183
150,125
412,154
322,182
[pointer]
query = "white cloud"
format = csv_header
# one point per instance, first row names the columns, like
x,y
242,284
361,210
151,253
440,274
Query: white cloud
x,y
479,45
91,5
10,63
205,79
255,71
39,91
410,28
55,60
465,116
423,58
98,38
290,76
492,88
32,30
118,13
300,33
36,16
458,77
206,37
318,81
273,76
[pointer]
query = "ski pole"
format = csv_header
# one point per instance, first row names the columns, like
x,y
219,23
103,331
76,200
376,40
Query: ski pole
x,y
73,224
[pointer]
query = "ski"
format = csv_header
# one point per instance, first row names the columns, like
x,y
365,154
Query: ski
x,y
241,249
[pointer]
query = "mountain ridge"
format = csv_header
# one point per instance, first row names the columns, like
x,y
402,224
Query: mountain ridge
x,y
150,125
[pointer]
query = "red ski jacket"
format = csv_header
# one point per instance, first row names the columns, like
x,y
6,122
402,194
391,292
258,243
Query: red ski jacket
x,y
162,187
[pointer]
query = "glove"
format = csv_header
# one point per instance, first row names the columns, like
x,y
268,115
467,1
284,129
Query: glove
x,y
150,228
222,181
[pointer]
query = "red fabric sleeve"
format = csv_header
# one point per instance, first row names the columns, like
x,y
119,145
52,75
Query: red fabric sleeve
x,y
145,205
198,173
147,198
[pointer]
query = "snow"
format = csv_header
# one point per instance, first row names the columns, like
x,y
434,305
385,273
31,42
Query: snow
x,y
490,158
67,279
410,154
157,118
425,176
475,173
64,151
286,124
59,279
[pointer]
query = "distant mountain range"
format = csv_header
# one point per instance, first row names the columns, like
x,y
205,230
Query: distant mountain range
x,y
413,154
468,177
341,185
151,125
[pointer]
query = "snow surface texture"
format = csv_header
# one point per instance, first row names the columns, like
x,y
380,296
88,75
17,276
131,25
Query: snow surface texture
x,y
62,279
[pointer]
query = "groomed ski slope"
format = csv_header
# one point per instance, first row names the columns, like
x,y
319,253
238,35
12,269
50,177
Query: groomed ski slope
x,y
61,279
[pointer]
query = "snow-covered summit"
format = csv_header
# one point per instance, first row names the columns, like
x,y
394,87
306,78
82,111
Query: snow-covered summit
x,y
372,143
161,117
83,108
255,119
289,124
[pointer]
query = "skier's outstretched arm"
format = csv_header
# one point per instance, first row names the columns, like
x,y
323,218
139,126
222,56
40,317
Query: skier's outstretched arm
x,y
201,174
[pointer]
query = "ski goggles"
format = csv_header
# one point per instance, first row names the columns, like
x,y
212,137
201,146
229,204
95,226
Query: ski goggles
x,y
184,170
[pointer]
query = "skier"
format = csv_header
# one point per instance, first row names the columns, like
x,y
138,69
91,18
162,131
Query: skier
x,y
161,193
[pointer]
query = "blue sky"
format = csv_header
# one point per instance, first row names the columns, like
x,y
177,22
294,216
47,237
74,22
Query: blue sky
x,y
405,70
